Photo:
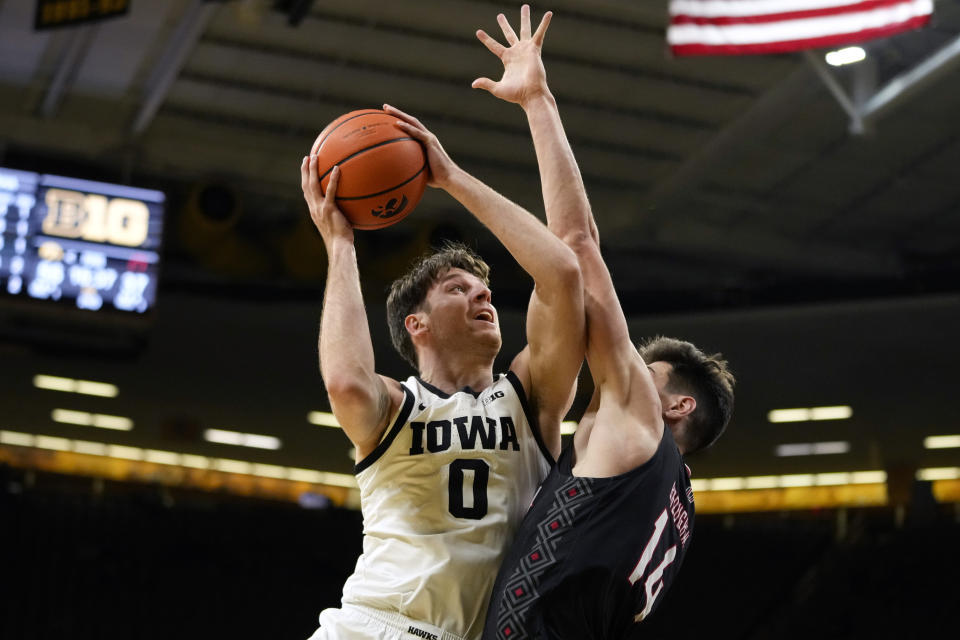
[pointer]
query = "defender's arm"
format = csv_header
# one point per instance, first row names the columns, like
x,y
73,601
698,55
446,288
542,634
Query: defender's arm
x,y
555,319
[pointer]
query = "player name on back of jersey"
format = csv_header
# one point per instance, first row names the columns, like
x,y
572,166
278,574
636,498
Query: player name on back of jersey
x,y
681,520
473,432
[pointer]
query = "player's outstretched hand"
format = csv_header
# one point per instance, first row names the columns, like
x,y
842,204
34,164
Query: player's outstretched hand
x,y
330,221
442,167
524,77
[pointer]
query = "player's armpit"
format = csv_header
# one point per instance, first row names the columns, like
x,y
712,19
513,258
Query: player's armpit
x,y
364,412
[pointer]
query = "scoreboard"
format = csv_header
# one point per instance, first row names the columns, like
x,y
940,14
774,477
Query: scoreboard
x,y
77,243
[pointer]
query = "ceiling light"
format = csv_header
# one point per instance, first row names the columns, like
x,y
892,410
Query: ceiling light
x,y
84,419
126,453
849,55
194,462
17,439
939,473
162,457
258,441
178,459
797,480
785,450
50,442
269,471
868,477
117,423
789,415
827,479
812,448
255,440
323,419
69,385
762,482
90,448
67,416
941,442
53,383
805,414
830,448
91,388
726,484
231,466
831,413
304,475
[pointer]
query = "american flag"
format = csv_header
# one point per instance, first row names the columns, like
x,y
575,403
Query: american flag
x,y
741,27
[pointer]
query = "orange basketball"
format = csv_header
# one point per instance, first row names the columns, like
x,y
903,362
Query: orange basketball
x,y
383,171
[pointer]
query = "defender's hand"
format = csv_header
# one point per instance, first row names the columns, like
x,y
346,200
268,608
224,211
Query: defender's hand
x,y
524,77
329,220
441,166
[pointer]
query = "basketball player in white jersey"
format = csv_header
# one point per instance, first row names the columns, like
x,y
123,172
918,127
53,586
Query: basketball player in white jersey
x,y
448,460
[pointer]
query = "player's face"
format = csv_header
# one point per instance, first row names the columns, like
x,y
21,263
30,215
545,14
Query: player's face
x,y
460,309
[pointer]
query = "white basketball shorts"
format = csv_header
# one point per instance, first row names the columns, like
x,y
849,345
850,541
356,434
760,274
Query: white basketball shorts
x,y
353,622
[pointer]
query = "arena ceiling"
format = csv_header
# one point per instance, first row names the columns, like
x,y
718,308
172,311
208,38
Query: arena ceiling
x,y
716,182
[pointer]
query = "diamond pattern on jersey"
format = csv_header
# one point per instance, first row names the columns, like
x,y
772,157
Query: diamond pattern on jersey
x,y
521,591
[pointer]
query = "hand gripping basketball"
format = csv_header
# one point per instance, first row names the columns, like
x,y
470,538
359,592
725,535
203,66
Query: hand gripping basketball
x,y
441,166
383,170
326,216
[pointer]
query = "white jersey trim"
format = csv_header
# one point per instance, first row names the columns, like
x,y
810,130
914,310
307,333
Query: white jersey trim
x,y
405,409
531,417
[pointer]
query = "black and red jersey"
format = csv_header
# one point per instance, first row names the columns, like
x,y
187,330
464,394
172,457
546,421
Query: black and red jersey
x,y
594,556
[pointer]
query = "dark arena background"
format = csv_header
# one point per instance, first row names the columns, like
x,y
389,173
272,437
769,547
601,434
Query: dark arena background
x,y
168,463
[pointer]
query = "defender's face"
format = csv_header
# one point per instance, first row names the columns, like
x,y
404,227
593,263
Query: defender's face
x,y
459,309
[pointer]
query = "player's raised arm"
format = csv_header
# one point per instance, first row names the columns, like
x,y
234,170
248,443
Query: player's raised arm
x,y
361,400
555,319
613,359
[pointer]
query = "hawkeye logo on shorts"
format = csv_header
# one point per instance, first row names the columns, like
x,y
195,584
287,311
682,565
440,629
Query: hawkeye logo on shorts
x,y
420,633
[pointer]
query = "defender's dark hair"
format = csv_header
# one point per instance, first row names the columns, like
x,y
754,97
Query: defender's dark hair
x,y
706,378
408,292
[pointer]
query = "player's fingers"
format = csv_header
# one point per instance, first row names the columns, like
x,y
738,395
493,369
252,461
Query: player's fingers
x,y
508,32
542,29
416,133
406,117
495,47
525,22
330,196
305,174
484,83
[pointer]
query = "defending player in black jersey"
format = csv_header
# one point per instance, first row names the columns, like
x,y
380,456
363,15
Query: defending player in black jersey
x,y
611,524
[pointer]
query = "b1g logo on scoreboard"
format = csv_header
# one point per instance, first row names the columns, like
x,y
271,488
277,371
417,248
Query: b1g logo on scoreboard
x,y
88,244
94,217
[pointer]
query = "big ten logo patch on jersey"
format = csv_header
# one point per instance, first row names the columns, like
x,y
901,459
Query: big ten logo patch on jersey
x,y
474,432
493,396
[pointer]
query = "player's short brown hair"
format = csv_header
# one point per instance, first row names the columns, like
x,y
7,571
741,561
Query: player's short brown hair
x,y
409,291
705,377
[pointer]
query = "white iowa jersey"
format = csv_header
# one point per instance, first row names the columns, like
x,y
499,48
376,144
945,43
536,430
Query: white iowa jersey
x,y
442,496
